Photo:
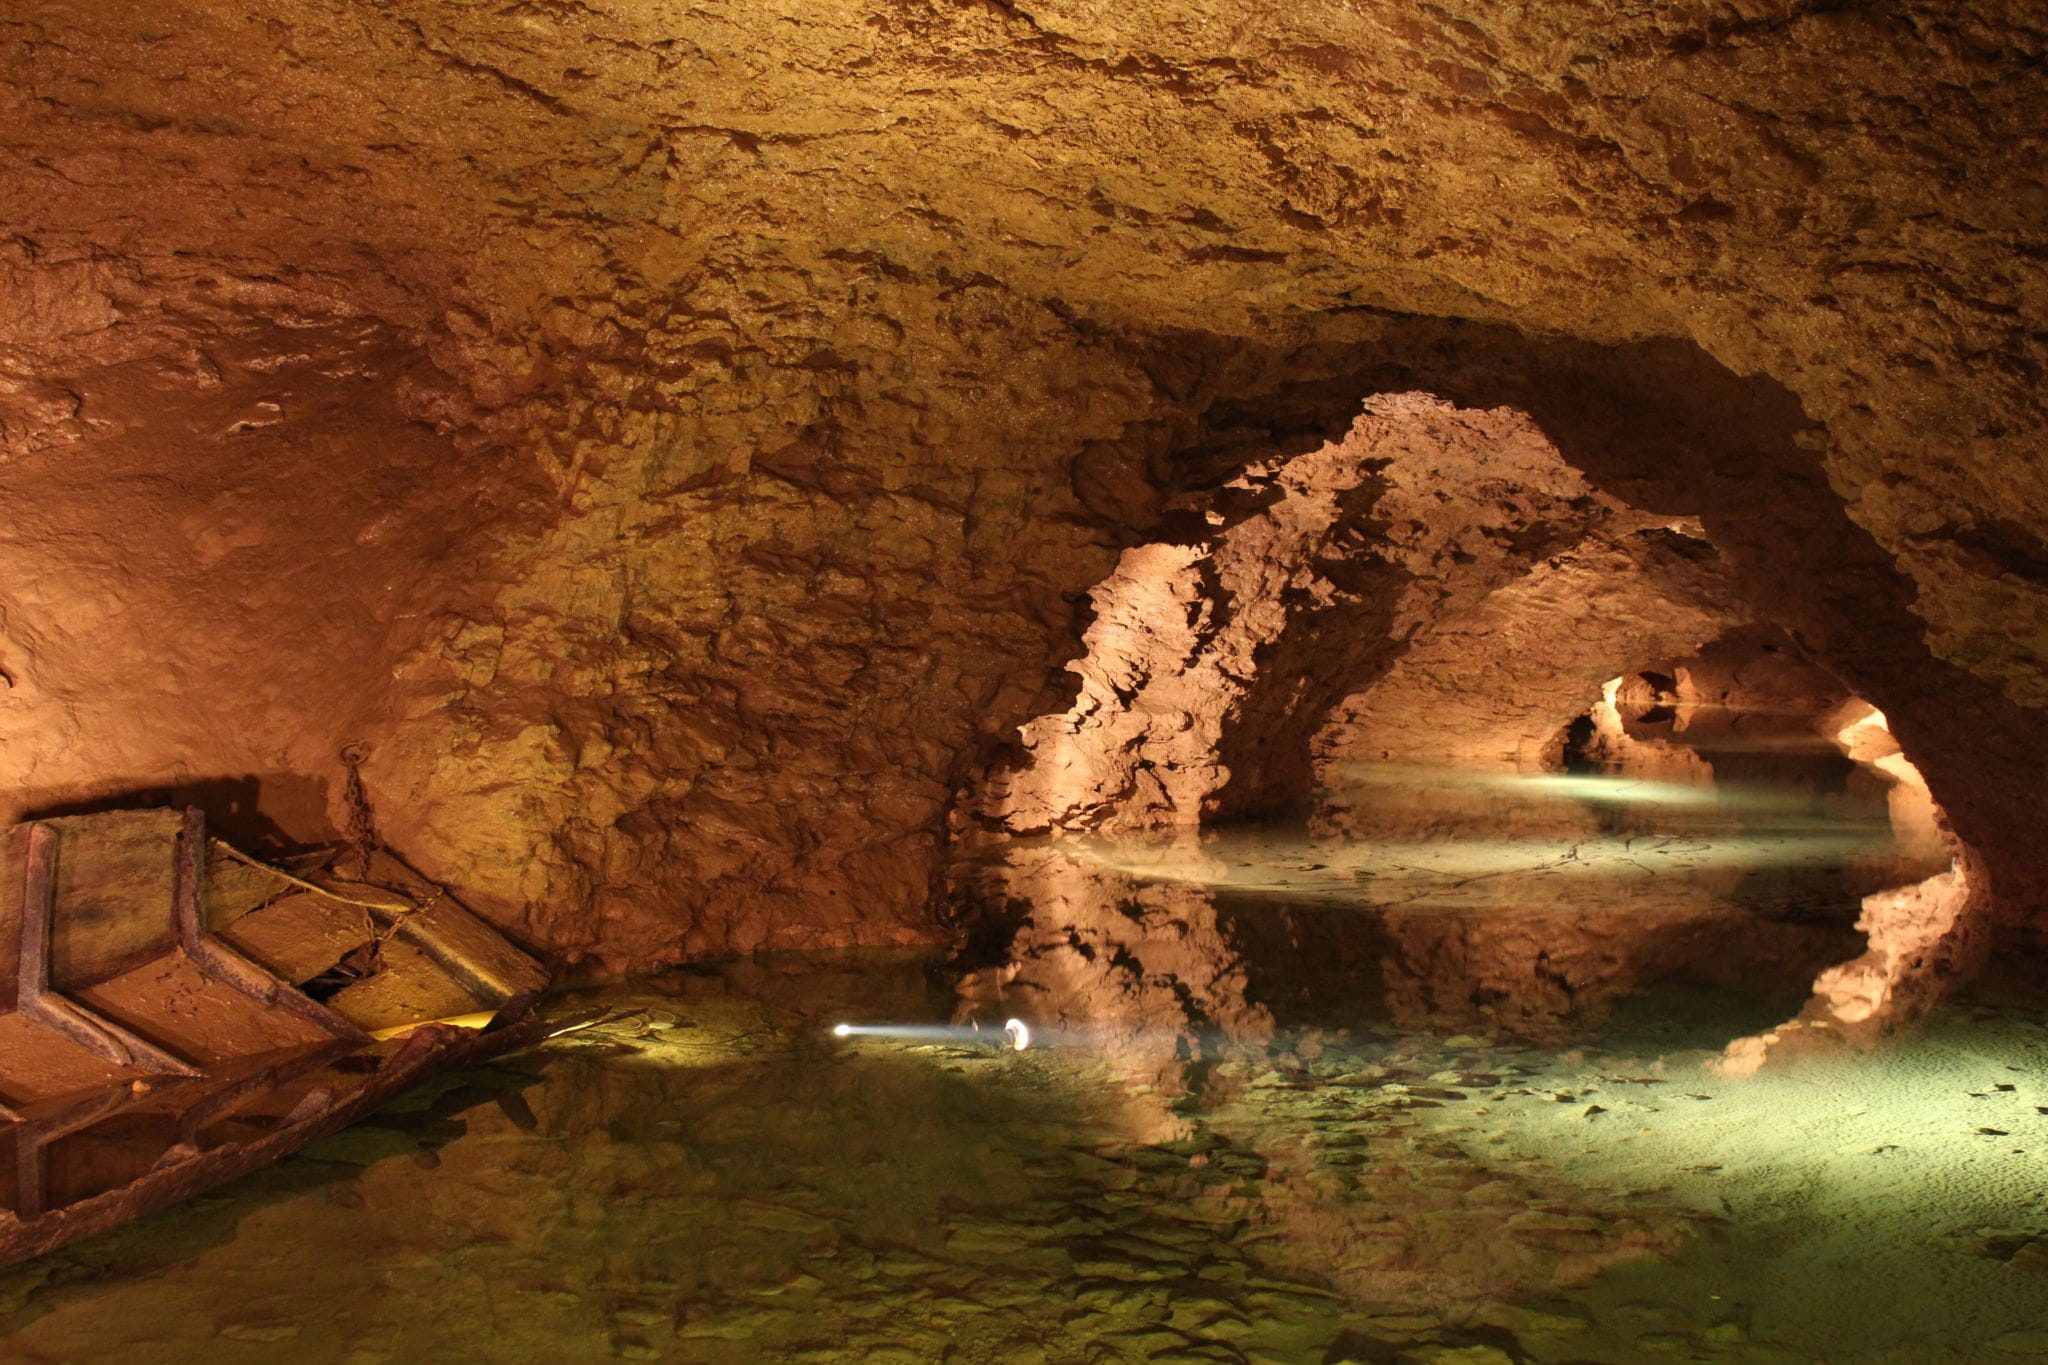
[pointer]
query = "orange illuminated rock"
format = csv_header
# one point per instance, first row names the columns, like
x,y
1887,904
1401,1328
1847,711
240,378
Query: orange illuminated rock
x,y
677,444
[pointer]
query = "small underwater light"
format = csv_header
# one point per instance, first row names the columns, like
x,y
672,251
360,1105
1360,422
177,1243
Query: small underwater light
x,y
1015,1033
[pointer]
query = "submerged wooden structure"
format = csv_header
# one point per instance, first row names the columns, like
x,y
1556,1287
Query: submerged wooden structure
x,y
174,1014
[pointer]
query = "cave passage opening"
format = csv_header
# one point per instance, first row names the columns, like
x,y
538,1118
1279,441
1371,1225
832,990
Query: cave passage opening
x,y
1423,725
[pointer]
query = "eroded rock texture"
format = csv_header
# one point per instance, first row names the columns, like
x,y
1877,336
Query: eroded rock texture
x,y
1347,740
677,441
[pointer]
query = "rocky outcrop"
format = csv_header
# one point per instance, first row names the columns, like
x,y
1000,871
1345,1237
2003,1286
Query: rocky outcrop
x,y
677,443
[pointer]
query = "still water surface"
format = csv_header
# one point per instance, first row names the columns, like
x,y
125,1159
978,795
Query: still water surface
x,y
712,1176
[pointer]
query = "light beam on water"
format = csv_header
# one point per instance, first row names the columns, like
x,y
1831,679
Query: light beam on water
x,y
1015,1033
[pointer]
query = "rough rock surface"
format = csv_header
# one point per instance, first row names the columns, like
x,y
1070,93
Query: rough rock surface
x,y
675,439
1394,637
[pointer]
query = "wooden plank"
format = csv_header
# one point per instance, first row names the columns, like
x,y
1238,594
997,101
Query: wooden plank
x,y
194,1099
32,937
232,888
48,1120
39,1065
298,937
24,1174
224,964
39,1004
223,1100
113,886
472,951
108,1155
15,874
466,946
105,1037
408,987
175,1002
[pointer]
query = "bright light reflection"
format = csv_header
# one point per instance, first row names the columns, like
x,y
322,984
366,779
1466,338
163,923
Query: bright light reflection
x,y
1015,1034
1347,870
1408,780
476,1020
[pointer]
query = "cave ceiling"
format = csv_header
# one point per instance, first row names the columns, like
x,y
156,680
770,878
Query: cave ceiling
x,y
697,426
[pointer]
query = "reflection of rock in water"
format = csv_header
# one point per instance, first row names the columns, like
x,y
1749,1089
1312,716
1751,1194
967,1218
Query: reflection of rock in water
x,y
1182,950
1541,974
1141,964
712,1176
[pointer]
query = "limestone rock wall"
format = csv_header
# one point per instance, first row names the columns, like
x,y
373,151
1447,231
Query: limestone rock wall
x,y
677,440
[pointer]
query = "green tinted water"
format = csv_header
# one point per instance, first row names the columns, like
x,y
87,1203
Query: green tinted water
x,y
713,1177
